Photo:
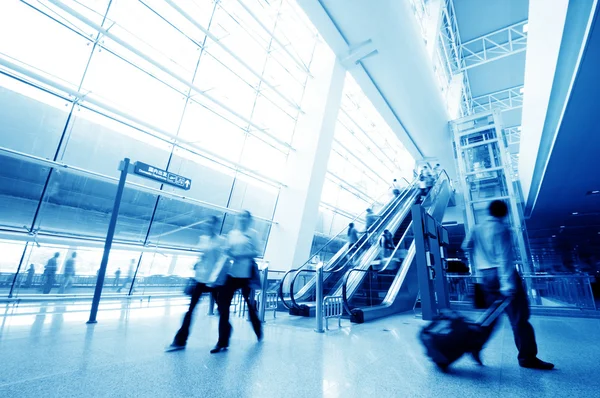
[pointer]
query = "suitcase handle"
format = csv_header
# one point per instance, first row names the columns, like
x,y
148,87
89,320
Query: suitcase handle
x,y
493,312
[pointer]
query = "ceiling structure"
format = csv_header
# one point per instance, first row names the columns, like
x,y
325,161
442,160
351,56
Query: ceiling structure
x,y
377,41
493,36
569,195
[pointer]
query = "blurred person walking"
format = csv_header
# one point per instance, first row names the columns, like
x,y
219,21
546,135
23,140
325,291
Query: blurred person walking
x,y
117,277
50,273
211,246
491,247
242,248
129,278
68,273
352,235
30,275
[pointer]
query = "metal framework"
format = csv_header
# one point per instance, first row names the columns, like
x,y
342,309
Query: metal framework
x,y
449,37
504,100
513,135
493,46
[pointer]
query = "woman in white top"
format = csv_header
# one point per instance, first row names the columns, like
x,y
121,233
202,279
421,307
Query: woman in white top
x,y
211,246
242,248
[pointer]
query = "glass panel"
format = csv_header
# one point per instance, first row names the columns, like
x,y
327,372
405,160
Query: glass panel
x,y
36,40
140,26
273,119
259,199
205,129
211,182
215,77
9,263
21,186
179,224
76,205
32,120
127,88
98,143
236,38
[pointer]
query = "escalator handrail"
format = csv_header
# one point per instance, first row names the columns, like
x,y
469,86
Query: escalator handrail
x,y
384,220
307,262
400,243
378,200
347,275
438,182
387,210
434,190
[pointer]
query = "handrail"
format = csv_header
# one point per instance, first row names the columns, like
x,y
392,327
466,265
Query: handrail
x,y
297,270
434,190
400,242
377,226
347,275
389,210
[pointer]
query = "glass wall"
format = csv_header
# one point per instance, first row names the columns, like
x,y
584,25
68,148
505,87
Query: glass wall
x,y
366,157
207,89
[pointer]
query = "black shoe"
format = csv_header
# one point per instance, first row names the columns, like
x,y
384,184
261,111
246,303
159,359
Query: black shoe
x,y
259,335
477,357
217,349
536,363
175,347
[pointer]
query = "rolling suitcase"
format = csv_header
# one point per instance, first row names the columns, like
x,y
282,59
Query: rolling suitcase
x,y
451,335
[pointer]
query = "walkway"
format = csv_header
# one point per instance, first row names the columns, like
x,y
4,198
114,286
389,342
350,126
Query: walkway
x,y
60,356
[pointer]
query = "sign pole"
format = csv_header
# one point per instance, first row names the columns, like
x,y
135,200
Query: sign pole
x,y
124,167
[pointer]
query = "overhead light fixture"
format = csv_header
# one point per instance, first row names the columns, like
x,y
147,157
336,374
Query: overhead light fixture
x,y
554,236
595,192
562,226
575,213
526,28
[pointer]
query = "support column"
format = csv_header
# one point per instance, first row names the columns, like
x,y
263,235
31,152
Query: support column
x,y
434,9
298,205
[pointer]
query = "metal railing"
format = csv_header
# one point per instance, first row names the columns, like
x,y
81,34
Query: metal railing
x,y
544,291
362,246
333,307
294,273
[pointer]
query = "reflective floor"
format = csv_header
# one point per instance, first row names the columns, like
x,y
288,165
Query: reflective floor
x,y
58,355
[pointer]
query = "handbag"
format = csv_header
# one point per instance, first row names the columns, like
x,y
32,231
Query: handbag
x,y
189,288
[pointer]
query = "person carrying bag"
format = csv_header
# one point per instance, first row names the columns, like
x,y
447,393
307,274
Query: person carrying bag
x,y
211,245
242,248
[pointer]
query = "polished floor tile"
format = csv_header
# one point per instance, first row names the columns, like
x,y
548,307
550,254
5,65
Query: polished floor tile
x,y
58,355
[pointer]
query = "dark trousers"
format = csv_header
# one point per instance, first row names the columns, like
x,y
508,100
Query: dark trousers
x,y
50,279
224,298
183,332
517,311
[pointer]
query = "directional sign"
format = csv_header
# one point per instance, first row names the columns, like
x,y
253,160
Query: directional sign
x,y
166,177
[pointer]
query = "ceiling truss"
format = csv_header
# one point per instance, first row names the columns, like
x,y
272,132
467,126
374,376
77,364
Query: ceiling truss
x,y
493,46
505,100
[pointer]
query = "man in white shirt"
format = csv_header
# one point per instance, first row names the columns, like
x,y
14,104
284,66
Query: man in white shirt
x,y
211,247
491,246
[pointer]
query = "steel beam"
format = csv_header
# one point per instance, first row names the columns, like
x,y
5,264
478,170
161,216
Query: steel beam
x,y
513,135
493,46
505,100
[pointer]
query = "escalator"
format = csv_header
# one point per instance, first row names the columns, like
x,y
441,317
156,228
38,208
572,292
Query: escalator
x,y
371,293
301,282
